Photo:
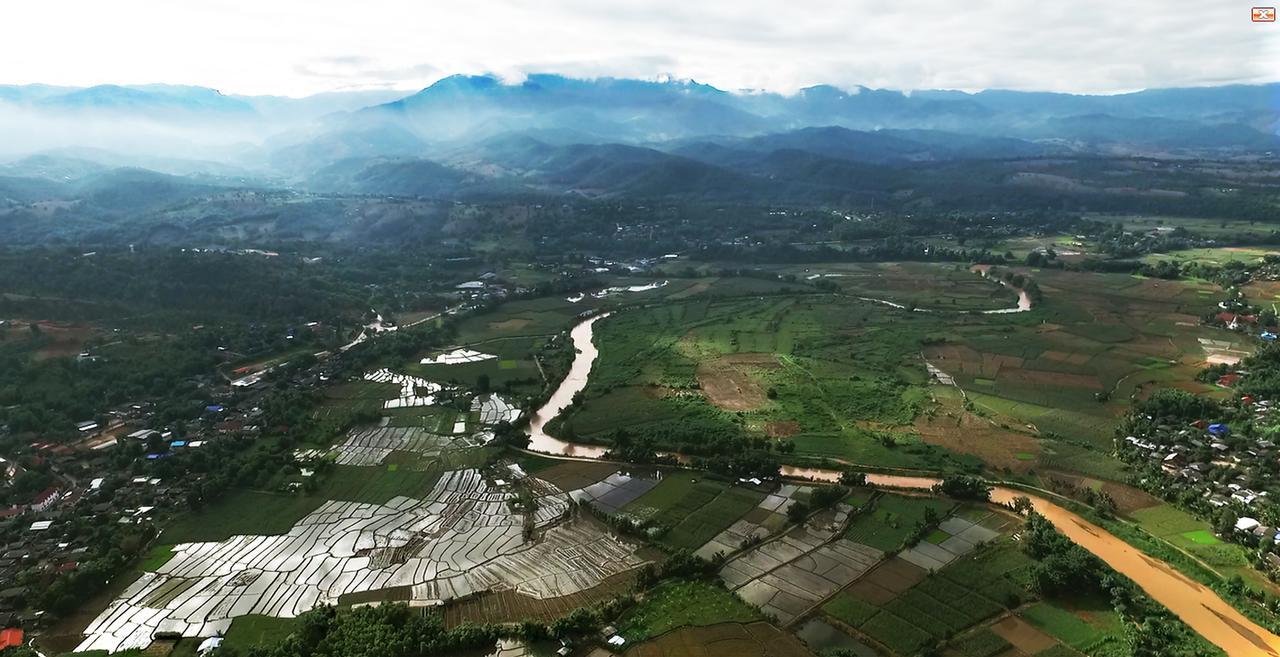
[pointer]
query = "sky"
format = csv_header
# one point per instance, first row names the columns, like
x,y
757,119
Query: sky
x,y
300,47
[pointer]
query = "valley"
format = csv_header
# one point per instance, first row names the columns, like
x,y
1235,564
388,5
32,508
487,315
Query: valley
x,y
600,366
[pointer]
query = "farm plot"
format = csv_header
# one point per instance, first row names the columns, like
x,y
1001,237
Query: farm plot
x,y
956,538
615,491
787,576
904,608
510,606
758,639
693,508
414,391
371,446
823,637
492,409
938,287
768,516
893,519
459,539
456,357
681,604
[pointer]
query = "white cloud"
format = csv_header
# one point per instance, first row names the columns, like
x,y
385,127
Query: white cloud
x,y
305,46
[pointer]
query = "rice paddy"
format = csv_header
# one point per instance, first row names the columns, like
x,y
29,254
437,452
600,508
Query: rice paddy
x,y
460,537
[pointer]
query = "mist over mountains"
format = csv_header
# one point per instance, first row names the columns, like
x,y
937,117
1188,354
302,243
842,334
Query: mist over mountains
x,y
111,154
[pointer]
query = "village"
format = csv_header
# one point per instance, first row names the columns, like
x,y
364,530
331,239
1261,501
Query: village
x,y
75,512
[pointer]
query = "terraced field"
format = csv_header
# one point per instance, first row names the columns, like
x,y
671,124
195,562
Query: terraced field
x,y
460,538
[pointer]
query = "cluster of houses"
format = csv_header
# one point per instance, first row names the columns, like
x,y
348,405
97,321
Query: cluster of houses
x,y
1226,470
37,538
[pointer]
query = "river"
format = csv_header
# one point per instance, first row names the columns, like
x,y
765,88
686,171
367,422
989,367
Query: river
x,y
1195,604
573,383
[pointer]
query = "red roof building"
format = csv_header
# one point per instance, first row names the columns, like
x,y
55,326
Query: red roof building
x,y
10,638
1233,318
47,498
1228,380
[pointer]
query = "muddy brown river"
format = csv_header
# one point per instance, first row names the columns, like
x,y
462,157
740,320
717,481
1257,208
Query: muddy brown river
x,y
1195,604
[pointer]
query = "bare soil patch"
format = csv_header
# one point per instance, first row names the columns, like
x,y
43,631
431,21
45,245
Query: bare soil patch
x,y
728,383
723,640
1127,498
572,475
511,606
966,433
1022,635
1037,378
513,324
886,580
782,429
1066,357
696,288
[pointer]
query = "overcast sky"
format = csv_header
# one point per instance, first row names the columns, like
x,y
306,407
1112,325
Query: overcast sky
x,y
297,47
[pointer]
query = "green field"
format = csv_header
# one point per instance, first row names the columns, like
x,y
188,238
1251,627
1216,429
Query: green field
x,y
157,556
844,379
980,643
249,631
892,519
814,370
683,604
941,286
259,512
1098,636
693,508
1215,256
948,603
241,512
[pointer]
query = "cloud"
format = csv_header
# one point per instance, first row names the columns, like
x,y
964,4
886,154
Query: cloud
x,y
364,71
304,46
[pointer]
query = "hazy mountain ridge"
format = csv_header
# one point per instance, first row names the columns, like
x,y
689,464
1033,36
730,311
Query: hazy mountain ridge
x,y
177,158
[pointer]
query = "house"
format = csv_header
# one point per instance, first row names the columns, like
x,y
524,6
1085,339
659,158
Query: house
x,y
10,638
1229,380
45,500
1247,524
1219,430
85,427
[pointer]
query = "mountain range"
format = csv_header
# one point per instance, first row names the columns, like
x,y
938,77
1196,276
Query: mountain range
x,y
112,151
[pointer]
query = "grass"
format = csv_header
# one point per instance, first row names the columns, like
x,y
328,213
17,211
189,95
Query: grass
x,y
241,512
1070,628
896,633
156,557
845,607
846,375
255,512
658,367
682,604
893,518
998,573
981,643
942,605
248,631
710,519
693,507
1201,537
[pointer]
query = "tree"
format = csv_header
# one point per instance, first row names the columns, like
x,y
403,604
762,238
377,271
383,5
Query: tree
x,y
853,479
1022,504
1225,524
964,487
